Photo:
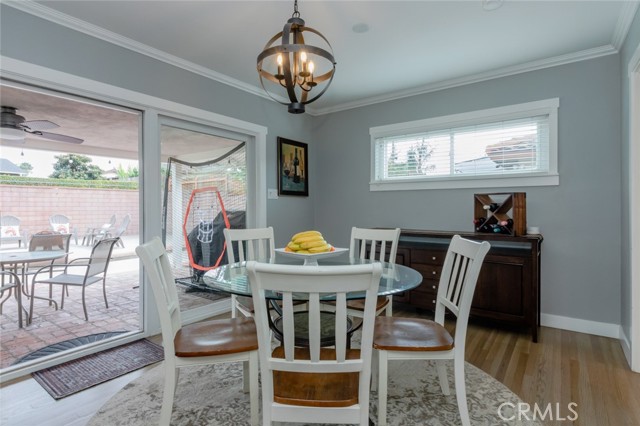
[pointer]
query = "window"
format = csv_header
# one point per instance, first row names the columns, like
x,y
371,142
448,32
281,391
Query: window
x,y
499,147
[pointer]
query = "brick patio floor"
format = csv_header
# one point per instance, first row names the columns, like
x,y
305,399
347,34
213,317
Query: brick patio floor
x,y
50,326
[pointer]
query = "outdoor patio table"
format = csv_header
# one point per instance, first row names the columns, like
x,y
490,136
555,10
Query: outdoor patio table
x,y
16,258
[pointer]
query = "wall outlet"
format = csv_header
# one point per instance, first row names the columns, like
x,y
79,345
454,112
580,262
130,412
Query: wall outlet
x,y
272,194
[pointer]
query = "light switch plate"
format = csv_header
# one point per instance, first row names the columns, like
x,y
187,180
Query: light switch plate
x,y
272,194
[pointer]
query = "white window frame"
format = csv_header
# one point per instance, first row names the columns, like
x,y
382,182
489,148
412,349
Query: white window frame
x,y
530,109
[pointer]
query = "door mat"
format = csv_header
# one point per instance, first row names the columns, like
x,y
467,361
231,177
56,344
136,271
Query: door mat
x,y
80,374
67,344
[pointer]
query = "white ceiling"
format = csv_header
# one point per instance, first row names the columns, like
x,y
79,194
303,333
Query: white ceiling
x,y
410,47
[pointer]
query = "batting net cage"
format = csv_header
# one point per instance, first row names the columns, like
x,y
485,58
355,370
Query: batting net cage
x,y
200,200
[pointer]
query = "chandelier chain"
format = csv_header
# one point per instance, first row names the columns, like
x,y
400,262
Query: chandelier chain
x,y
296,14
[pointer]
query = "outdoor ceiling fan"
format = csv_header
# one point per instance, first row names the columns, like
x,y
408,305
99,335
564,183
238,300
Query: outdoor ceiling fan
x,y
14,127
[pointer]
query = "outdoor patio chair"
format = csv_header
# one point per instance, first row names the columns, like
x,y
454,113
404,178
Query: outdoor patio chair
x,y
93,231
201,343
48,241
62,224
10,282
10,230
119,232
95,270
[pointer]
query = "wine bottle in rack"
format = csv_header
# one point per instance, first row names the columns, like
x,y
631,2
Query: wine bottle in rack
x,y
491,207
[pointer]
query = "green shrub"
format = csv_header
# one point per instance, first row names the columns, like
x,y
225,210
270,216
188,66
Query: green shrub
x,y
70,183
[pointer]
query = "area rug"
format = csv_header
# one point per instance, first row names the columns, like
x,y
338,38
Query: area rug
x,y
212,395
80,374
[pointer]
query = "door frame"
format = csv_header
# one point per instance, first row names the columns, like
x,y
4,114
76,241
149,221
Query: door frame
x,y
634,207
150,196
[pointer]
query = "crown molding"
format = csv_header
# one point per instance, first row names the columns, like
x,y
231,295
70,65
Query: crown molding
x,y
625,20
622,28
489,75
40,11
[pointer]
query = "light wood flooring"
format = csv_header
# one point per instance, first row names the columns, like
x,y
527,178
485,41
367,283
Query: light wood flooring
x,y
563,367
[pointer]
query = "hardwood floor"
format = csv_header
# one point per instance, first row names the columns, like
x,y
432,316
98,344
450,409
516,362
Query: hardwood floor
x,y
563,367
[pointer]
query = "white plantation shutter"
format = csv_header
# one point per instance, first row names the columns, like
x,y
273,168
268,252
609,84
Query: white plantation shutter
x,y
516,142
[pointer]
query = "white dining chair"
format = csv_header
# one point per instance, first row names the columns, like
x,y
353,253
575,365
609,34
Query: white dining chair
x,y
398,338
249,244
372,244
314,384
201,343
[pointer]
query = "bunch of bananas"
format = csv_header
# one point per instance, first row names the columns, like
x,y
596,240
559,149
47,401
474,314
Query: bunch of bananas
x,y
308,242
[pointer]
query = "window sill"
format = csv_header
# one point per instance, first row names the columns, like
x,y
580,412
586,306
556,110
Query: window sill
x,y
486,183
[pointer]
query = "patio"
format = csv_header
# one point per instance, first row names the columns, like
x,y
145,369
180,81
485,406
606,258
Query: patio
x,y
50,326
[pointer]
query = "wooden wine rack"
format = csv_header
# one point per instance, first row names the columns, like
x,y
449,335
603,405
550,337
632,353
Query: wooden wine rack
x,y
509,206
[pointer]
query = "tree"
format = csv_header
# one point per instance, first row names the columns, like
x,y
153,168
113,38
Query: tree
x,y
26,167
74,166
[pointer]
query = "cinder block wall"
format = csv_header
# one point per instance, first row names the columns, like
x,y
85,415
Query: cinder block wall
x,y
86,207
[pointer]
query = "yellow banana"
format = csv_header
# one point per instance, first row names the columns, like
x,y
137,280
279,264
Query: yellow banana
x,y
312,244
320,249
293,246
310,239
305,234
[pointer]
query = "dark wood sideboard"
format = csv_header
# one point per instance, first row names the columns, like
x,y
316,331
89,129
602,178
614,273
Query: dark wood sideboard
x,y
508,289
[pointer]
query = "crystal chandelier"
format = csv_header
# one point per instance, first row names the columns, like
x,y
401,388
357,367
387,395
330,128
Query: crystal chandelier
x,y
296,66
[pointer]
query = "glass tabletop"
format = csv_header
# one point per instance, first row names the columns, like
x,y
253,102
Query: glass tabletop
x,y
233,278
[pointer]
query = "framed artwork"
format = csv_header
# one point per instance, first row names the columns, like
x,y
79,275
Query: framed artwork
x,y
293,170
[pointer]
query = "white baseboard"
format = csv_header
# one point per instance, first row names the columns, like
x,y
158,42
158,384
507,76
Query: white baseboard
x,y
626,345
581,326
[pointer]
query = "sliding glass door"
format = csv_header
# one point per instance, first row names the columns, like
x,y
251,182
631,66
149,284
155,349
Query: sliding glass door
x,y
204,190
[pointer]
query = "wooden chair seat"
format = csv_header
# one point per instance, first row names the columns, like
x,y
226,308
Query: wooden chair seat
x,y
216,337
410,334
314,389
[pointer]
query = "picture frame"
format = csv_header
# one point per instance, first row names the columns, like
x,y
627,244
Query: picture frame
x,y
293,168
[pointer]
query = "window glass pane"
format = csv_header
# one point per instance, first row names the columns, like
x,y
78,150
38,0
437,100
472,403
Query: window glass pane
x,y
508,144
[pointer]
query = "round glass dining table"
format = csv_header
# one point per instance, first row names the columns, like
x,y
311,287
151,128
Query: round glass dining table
x,y
233,278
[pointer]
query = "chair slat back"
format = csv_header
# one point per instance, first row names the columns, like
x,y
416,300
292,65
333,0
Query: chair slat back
x,y
312,283
249,244
123,225
160,275
100,256
50,241
382,244
9,220
459,277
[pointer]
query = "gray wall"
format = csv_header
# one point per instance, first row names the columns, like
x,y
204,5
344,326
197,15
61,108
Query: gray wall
x,y
582,249
631,44
579,218
30,39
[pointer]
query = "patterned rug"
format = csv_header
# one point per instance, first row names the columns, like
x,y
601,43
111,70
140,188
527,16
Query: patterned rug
x,y
73,376
212,395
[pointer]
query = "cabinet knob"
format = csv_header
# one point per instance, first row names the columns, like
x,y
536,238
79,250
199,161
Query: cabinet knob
x,y
433,258
433,272
433,286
